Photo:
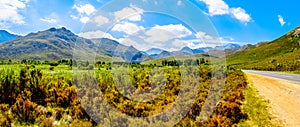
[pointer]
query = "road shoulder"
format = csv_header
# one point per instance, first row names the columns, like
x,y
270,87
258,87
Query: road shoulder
x,y
283,96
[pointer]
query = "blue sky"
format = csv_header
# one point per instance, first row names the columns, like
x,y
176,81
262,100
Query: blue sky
x,y
242,22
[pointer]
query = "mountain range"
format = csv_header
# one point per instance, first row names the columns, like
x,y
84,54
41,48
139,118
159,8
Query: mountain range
x,y
6,36
61,43
125,53
51,44
160,53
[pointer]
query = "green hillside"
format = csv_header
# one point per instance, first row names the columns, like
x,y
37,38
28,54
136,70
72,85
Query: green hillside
x,y
282,54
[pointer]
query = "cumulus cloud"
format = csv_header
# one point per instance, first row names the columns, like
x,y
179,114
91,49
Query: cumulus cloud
x,y
74,17
48,20
178,44
133,12
132,9
100,20
240,14
96,34
206,38
10,11
84,19
165,33
216,7
281,20
135,18
87,9
219,7
133,42
179,3
127,27
170,37
161,36
84,12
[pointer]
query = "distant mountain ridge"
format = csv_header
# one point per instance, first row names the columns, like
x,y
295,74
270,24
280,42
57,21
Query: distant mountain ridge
x,y
154,51
6,36
51,44
228,46
61,43
126,53
159,53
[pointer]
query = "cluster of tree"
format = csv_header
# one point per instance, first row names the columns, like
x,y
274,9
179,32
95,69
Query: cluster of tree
x,y
53,63
3,62
188,62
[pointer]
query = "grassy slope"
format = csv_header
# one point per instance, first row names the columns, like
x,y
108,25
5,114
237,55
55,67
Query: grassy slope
x,y
282,54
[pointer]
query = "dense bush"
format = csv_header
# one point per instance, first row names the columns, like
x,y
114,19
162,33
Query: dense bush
x,y
30,96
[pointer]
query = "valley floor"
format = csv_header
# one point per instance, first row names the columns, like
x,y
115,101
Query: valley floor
x,y
284,97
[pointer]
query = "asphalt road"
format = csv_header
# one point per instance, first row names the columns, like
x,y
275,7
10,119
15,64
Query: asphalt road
x,y
289,77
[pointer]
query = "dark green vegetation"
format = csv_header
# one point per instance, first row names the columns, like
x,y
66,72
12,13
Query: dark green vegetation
x,y
46,95
282,54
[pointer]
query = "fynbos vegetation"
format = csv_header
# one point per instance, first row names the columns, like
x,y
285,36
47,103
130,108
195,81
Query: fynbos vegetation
x,y
39,95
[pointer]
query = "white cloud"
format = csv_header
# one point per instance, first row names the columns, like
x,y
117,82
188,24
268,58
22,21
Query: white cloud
x,y
219,7
84,19
135,18
170,37
129,11
178,29
179,3
281,20
74,17
132,13
212,41
96,34
132,42
100,20
87,9
216,7
161,36
127,27
10,11
178,44
167,32
48,20
141,45
84,12
207,38
240,14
